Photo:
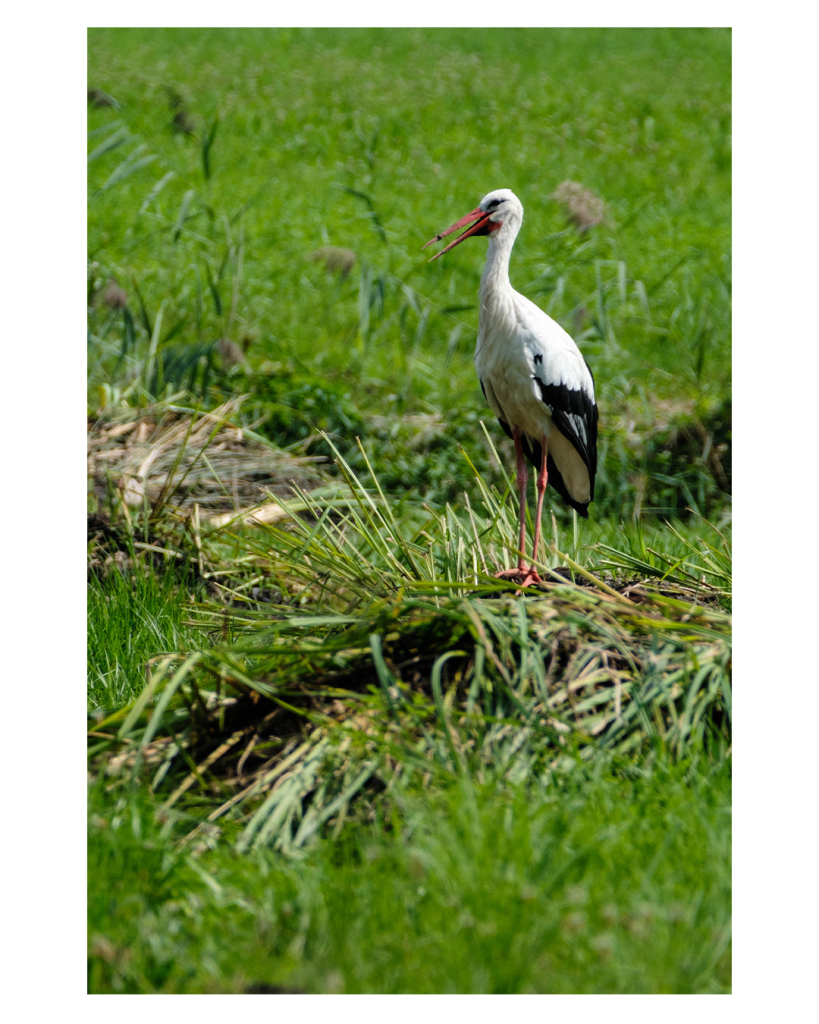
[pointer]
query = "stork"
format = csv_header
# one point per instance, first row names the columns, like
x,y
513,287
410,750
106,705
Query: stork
x,y
532,375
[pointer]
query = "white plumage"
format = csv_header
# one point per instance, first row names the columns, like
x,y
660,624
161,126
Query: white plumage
x,y
532,373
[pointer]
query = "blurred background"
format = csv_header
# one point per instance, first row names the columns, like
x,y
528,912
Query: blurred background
x,y
258,200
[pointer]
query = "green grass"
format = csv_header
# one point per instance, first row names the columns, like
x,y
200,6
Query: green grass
x,y
374,140
134,617
334,753
391,653
610,882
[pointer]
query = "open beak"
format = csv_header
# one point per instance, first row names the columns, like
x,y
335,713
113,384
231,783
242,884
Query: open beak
x,y
479,219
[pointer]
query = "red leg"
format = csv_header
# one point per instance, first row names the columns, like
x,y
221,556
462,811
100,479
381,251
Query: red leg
x,y
522,575
542,479
522,481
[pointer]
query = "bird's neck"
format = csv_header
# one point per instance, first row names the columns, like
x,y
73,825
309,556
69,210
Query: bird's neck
x,y
495,286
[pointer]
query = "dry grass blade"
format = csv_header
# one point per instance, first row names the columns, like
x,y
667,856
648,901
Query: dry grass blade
x,y
187,458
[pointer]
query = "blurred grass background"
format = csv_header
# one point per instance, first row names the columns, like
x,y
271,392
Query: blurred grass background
x,y
233,156
258,200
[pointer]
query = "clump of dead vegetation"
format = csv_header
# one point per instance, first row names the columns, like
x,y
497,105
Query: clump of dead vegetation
x,y
177,458
335,258
583,208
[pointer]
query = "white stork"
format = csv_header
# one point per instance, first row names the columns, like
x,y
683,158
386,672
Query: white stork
x,y
532,374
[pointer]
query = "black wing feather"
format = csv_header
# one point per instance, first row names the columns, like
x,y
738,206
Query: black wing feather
x,y
574,413
533,450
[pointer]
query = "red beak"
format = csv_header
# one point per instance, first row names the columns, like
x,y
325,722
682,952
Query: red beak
x,y
479,227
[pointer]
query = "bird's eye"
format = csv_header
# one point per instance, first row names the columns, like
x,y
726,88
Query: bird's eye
x,y
495,204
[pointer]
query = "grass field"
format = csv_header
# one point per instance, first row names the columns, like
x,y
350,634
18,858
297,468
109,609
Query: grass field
x,y
329,753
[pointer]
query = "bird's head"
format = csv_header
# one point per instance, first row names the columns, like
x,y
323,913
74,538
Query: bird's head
x,y
500,210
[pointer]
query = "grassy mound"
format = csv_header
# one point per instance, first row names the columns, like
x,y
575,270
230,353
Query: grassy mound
x,y
329,750
412,661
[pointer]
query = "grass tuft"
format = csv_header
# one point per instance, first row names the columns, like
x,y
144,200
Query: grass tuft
x,y
414,661
329,750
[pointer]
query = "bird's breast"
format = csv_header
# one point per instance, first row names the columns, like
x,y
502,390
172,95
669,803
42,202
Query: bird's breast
x,y
511,390
520,348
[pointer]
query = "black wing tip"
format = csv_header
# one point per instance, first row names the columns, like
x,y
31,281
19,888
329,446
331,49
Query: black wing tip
x,y
580,507
533,452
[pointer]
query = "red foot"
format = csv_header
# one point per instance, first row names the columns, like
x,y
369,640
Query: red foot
x,y
523,577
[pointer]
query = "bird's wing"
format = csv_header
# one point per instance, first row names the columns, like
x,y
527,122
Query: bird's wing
x,y
564,381
575,416
534,453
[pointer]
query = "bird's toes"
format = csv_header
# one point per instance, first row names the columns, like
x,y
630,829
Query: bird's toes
x,y
522,577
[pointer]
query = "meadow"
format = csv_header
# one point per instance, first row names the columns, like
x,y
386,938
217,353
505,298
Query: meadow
x,y
328,751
